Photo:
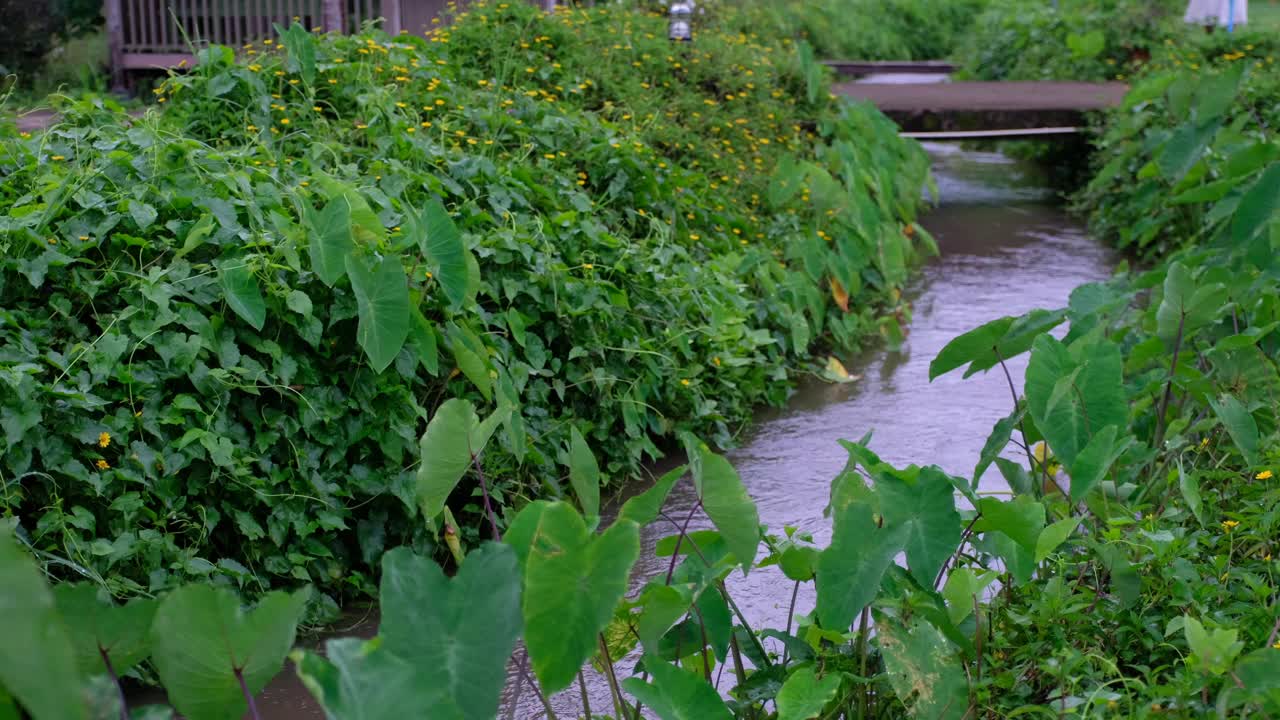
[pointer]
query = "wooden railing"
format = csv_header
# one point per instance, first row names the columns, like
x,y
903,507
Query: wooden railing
x,y
146,34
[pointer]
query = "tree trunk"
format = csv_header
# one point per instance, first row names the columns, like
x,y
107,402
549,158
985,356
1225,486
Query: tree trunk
x,y
331,12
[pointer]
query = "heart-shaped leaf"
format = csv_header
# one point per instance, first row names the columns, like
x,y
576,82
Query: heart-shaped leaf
x,y
926,506
240,288
453,436
573,580
382,303
726,502
676,694
804,695
122,633
850,569
359,680
204,646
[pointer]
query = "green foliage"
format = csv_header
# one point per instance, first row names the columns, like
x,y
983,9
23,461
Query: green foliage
x,y
442,644
866,29
37,660
211,655
229,323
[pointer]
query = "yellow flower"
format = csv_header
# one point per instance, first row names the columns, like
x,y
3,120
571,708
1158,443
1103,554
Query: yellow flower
x,y
53,241
1228,525
317,108
103,465
1276,646
57,158
104,439
1264,475
284,121
587,266
685,382
84,237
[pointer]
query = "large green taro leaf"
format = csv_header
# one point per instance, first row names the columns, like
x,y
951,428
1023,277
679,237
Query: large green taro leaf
x,y
452,437
359,680
926,506
924,669
204,645
850,569
1074,393
584,474
37,661
804,695
122,633
382,303
573,581
726,502
676,694
457,634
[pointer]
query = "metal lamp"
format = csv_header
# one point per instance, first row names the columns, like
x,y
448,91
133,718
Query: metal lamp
x,y
680,28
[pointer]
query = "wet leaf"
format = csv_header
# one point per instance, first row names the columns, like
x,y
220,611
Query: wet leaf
x,y
726,502
584,475
240,288
97,627
923,669
926,507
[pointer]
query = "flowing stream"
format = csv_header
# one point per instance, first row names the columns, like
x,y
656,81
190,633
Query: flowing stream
x,y
1005,248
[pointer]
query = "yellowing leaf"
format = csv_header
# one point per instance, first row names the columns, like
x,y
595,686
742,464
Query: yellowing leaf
x,y
840,295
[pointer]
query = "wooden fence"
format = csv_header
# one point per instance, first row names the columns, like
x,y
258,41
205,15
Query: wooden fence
x,y
147,34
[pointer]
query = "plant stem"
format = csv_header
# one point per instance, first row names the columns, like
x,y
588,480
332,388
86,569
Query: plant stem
x,y
964,537
111,673
684,529
488,506
862,663
515,701
586,700
743,619
546,704
1168,385
1013,392
614,691
248,696
791,609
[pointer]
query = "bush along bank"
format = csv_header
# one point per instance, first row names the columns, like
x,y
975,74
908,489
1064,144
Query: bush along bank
x,y
1129,569
226,325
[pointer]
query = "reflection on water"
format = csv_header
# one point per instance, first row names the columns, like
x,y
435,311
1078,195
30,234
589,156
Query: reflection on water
x,y
1005,250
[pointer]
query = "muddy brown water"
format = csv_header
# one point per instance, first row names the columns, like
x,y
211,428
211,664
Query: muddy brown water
x,y
1006,247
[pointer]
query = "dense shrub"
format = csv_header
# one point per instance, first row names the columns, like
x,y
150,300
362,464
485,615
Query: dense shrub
x,y
867,29
651,239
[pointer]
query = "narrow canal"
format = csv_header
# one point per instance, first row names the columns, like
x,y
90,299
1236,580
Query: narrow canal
x,y
1006,247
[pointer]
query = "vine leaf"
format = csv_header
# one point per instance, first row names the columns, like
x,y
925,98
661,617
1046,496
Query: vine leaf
x,y
573,580
382,303
204,645
726,502
452,437
850,569
584,475
803,695
97,627
676,694
37,658
240,288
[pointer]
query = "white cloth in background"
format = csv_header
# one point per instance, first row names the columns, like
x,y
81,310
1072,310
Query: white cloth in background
x,y
1217,12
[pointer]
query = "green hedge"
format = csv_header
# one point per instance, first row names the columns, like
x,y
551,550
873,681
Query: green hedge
x,y
634,240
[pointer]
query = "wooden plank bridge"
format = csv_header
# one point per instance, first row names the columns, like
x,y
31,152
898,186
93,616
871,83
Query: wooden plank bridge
x,y
987,109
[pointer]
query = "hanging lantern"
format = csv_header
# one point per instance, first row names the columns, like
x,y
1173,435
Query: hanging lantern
x,y
680,28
